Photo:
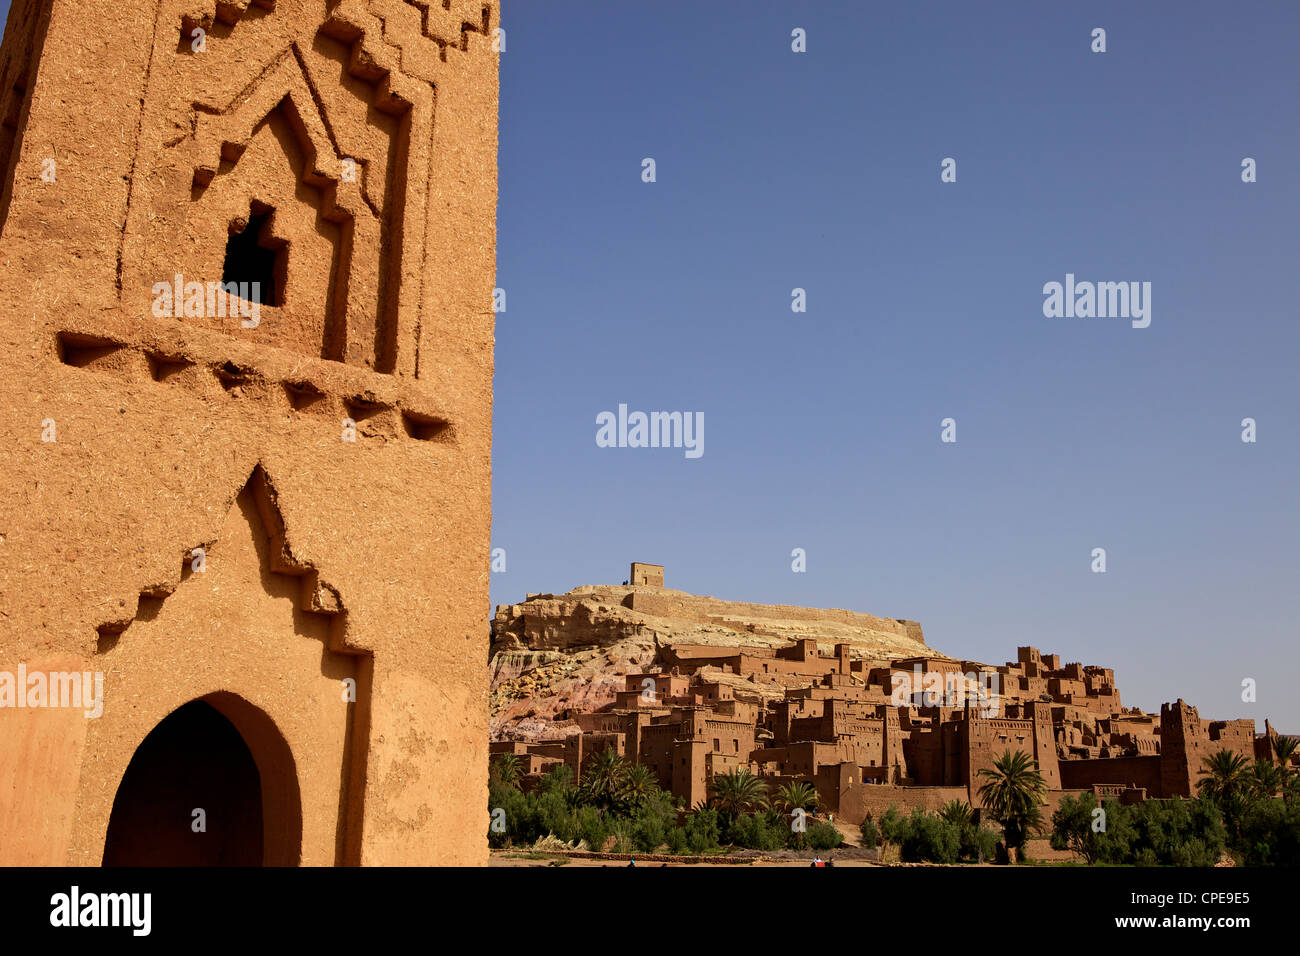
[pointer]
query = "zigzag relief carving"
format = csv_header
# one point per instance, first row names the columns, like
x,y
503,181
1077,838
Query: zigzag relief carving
x,y
409,38
313,596
219,19
270,149
438,21
319,132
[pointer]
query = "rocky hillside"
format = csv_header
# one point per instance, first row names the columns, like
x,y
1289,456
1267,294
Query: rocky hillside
x,y
555,652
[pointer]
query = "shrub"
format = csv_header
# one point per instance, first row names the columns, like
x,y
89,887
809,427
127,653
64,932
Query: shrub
x,y
1074,825
592,826
1271,834
648,824
649,830
870,833
677,840
978,844
824,836
623,842
559,777
1176,832
702,831
757,832
930,839
894,826
1173,832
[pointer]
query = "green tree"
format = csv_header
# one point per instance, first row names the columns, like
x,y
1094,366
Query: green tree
x,y
1075,826
736,792
1227,780
893,826
977,844
639,785
506,768
870,833
958,813
559,778
757,831
1271,834
603,781
1176,832
1266,779
1223,775
824,836
703,831
1013,793
652,819
1284,749
796,796
928,838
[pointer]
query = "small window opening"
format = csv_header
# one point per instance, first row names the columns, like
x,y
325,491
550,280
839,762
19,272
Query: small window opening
x,y
255,261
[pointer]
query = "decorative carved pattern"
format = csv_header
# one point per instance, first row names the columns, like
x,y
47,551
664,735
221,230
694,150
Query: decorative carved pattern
x,y
315,596
361,139
379,418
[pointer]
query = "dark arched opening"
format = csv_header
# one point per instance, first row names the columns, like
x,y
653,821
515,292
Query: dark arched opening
x,y
224,757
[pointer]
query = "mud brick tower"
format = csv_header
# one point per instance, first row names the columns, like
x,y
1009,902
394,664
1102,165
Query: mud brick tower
x,y
246,274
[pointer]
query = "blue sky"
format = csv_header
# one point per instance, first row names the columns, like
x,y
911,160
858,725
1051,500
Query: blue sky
x,y
820,170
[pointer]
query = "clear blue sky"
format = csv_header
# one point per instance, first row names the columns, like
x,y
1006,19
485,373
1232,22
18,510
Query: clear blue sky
x,y
821,170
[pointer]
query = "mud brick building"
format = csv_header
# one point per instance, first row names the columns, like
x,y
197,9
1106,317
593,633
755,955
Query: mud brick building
x,y
245,400
714,708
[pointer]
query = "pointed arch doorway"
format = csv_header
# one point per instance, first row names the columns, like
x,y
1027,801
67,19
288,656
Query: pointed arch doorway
x,y
220,755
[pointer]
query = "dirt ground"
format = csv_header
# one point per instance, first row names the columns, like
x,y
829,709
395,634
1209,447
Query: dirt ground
x,y
512,858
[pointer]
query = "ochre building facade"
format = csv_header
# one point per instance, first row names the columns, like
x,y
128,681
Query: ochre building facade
x,y
247,255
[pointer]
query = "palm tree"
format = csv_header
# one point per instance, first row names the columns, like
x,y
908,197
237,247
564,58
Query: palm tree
x,y
1284,749
638,784
1265,779
1224,776
958,813
1013,794
506,768
796,796
603,779
737,791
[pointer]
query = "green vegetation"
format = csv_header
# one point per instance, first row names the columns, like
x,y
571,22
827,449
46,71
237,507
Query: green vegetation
x,y
796,796
1152,833
622,801
1247,810
1251,811
1013,794
949,836
823,836
737,792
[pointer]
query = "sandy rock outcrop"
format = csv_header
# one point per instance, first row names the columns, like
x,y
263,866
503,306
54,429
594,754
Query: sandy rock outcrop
x,y
552,654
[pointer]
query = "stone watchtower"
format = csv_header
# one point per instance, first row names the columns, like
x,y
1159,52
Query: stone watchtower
x,y
246,308
1183,743
647,574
